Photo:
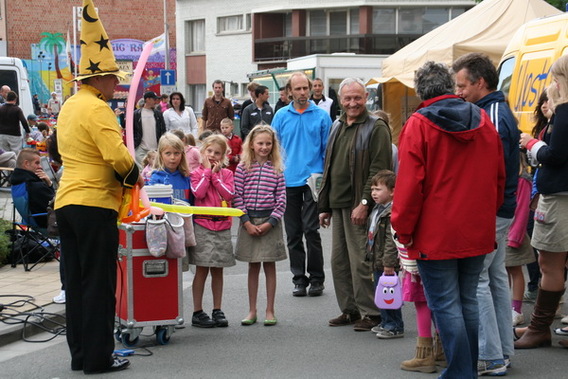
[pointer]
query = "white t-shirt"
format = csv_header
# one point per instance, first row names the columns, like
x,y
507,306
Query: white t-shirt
x,y
149,141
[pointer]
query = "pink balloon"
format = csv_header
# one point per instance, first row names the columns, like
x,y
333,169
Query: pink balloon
x,y
156,211
132,97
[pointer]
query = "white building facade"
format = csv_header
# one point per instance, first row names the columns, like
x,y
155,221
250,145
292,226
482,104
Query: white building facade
x,y
227,40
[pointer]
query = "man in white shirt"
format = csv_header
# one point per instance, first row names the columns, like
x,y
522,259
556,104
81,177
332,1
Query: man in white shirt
x,y
149,126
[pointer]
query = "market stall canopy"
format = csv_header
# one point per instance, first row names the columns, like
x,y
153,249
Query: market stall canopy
x,y
488,27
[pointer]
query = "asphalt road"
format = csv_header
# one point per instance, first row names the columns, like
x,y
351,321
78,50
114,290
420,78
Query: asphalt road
x,y
301,345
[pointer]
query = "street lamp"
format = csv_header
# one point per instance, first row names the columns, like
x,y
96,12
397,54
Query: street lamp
x,y
49,76
40,58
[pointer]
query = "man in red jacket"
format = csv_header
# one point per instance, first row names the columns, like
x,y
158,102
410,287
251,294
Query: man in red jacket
x,y
450,186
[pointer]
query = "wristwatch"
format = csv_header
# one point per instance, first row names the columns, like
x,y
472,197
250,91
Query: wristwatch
x,y
365,202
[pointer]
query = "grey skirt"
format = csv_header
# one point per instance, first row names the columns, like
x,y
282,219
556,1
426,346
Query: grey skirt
x,y
522,255
551,224
267,248
213,249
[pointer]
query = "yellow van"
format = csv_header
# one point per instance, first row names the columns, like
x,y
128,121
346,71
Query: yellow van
x,y
524,71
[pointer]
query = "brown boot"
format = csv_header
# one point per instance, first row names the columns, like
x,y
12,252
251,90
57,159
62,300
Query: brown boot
x,y
439,355
423,361
538,332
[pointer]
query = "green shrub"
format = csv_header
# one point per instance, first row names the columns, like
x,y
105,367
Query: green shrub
x,y
5,244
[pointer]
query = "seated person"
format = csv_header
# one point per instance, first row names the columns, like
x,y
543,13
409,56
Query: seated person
x,y
7,159
39,187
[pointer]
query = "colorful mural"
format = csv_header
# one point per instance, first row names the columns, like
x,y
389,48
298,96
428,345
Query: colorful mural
x,y
51,67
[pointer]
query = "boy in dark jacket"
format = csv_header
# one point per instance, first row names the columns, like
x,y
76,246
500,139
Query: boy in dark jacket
x,y
381,249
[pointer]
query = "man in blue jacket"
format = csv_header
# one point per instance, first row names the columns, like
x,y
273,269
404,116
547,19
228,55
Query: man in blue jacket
x,y
476,82
303,129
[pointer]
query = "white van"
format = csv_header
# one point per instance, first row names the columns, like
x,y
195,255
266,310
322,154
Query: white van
x,y
14,75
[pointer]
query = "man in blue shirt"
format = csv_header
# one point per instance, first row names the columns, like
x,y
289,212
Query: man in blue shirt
x,y
303,129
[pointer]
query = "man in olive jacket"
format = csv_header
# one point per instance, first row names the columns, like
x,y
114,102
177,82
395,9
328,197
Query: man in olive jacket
x,y
359,146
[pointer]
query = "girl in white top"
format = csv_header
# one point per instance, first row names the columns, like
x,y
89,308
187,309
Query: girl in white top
x,y
179,116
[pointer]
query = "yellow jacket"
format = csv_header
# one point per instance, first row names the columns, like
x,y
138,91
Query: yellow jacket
x,y
97,163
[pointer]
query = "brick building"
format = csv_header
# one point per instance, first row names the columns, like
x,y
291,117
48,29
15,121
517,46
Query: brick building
x,y
25,20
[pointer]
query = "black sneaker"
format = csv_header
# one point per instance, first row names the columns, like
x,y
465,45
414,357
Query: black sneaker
x,y
299,290
118,364
316,289
202,320
219,318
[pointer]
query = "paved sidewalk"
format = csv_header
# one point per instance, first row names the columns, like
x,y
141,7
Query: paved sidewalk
x,y
37,286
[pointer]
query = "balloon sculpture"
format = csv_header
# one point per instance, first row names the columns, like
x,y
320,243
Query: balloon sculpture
x,y
131,210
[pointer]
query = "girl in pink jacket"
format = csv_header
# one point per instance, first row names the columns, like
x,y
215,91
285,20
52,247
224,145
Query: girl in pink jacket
x,y
212,186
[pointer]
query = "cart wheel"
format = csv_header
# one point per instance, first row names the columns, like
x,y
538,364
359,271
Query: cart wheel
x,y
117,336
125,338
162,337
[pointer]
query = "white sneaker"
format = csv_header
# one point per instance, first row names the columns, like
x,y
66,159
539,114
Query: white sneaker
x,y
564,320
518,318
60,299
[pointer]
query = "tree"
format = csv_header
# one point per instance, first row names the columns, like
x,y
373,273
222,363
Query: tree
x,y
55,42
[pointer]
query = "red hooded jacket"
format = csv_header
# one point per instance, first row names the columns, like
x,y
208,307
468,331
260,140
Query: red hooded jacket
x,y
450,181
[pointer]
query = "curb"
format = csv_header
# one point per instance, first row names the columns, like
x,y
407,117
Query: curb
x,y
10,333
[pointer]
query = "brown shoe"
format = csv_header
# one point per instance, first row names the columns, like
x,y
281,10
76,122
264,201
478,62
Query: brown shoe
x,y
345,319
367,323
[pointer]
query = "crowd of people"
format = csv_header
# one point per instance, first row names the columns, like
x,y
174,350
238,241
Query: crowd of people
x,y
447,211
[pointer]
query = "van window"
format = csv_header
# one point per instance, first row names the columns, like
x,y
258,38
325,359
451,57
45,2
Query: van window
x,y
9,78
505,75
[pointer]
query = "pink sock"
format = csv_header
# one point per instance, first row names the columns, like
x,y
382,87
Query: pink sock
x,y
517,305
423,319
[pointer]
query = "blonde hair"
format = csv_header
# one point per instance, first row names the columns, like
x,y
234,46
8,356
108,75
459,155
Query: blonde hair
x,y
247,156
227,121
220,140
148,156
558,91
171,140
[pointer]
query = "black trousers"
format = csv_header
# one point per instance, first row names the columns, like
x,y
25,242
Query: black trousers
x,y
301,219
89,237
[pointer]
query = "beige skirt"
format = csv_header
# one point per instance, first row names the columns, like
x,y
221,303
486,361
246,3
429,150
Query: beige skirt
x,y
267,248
551,224
522,255
213,249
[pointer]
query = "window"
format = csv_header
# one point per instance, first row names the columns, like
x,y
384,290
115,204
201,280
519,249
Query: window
x,y
195,36
318,23
232,24
457,11
434,17
384,21
338,23
196,97
410,20
288,25
354,21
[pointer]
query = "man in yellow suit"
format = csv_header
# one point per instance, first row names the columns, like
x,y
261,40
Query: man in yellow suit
x,y
97,168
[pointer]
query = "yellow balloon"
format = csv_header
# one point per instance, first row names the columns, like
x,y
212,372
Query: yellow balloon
x,y
212,211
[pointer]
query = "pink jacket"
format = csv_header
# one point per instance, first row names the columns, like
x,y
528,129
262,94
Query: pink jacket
x,y
518,228
193,157
209,190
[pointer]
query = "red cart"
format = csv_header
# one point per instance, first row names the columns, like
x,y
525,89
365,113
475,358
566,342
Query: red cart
x,y
149,289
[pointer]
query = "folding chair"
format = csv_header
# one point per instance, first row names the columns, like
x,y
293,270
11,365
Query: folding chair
x,y
35,241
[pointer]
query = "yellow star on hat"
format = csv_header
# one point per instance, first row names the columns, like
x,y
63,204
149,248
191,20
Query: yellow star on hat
x,y
97,57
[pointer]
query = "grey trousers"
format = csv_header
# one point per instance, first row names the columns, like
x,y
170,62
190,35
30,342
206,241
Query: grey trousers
x,y
352,276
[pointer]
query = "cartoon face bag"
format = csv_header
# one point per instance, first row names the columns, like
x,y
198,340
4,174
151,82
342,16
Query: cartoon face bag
x,y
388,294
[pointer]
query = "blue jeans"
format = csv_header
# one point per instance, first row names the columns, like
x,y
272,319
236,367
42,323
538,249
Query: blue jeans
x,y
494,298
450,286
391,319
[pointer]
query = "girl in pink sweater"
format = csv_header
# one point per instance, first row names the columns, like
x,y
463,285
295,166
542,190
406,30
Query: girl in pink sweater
x,y
212,186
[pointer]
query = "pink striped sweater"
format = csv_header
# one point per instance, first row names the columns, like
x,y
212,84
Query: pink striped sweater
x,y
260,189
